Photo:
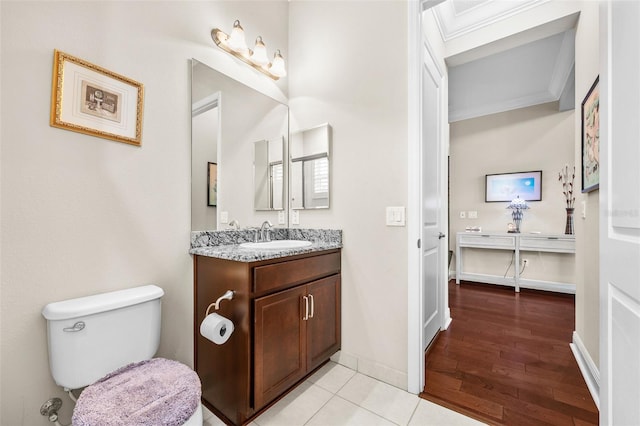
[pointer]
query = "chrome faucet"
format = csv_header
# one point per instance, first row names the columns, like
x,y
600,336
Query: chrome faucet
x,y
265,231
235,224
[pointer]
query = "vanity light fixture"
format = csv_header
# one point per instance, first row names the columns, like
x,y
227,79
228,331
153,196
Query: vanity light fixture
x,y
259,56
277,66
236,45
236,40
517,205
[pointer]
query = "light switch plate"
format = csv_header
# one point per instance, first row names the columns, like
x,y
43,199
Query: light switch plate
x,y
473,214
463,215
295,217
224,217
396,216
281,217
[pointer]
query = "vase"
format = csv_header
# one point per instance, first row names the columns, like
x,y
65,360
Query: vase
x,y
516,215
568,229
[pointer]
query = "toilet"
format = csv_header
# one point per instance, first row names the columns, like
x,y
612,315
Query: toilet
x,y
105,343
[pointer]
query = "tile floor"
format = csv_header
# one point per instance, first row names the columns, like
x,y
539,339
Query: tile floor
x,y
336,395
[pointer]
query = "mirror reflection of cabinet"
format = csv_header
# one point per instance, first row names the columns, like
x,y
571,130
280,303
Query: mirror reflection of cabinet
x,y
227,118
268,172
310,167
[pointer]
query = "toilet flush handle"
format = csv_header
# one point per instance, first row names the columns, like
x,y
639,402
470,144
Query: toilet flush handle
x,y
79,326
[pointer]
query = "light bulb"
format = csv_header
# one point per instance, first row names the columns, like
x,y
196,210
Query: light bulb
x,y
259,56
236,39
277,66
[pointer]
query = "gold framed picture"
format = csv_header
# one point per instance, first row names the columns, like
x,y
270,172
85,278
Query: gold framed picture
x,y
92,100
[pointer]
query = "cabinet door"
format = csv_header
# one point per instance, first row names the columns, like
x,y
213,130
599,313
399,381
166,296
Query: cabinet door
x,y
280,335
323,326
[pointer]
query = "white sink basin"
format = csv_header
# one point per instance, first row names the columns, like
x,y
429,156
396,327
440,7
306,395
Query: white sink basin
x,y
276,245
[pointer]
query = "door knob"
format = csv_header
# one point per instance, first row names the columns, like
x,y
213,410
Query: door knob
x,y
441,236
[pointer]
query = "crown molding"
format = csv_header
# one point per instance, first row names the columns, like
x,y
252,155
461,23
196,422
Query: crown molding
x,y
452,23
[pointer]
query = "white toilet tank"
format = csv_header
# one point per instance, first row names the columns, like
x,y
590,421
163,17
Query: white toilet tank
x,y
92,336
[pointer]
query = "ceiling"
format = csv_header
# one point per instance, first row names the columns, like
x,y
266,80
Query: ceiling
x,y
530,68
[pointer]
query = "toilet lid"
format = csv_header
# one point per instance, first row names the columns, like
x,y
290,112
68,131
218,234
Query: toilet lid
x,y
152,392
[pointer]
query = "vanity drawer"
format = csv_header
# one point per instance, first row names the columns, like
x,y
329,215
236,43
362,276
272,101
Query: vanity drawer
x,y
487,241
551,244
287,274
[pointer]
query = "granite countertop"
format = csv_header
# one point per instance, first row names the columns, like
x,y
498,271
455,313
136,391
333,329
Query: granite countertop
x,y
226,244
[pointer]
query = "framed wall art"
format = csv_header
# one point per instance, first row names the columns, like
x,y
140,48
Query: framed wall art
x,y
92,100
503,187
591,139
212,184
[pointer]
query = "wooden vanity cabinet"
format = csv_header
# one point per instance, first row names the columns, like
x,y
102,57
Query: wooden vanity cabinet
x,y
296,330
286,314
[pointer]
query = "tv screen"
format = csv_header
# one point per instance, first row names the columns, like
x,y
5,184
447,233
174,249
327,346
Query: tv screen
x,y
507,186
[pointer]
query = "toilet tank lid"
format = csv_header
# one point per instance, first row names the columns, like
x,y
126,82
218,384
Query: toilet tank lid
x,y
103,302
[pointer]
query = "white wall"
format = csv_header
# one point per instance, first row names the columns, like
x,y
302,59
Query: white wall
x,y
534,138
587,237
348,67
82,215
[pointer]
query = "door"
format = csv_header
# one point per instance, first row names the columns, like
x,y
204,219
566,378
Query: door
x,y
323,324
619,214
280,338
431,182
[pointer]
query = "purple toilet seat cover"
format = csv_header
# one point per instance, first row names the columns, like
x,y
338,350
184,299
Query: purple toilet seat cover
x,y
149,393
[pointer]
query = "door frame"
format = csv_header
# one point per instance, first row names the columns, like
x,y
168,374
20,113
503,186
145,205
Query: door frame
x,y
416,46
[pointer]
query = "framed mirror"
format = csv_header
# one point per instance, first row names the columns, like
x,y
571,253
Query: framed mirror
x,y
228,118
310,168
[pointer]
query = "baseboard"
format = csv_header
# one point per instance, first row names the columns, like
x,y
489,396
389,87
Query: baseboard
x,y
567,288
587,367
557,287
372,369
447,319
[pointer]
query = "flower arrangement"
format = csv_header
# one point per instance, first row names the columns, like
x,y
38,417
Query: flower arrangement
x,y
567,184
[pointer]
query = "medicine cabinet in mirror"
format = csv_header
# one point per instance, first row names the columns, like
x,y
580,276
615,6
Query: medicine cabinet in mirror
x,y
230,123
310,167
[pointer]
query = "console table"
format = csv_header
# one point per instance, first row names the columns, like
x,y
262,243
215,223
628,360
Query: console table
x,y
560,243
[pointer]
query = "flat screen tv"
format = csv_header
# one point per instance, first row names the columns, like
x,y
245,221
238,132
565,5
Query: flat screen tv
x,y
507,186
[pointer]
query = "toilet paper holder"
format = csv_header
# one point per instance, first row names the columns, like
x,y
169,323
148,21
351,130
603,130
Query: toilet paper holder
x,y
228,295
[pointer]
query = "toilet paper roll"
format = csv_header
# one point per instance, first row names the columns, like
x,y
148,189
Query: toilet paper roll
x,y
216,328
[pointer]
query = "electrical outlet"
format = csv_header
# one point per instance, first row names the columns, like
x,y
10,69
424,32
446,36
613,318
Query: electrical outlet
x,y
473,214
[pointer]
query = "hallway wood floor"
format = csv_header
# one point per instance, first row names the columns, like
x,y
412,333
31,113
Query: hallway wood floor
x,y
506,360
